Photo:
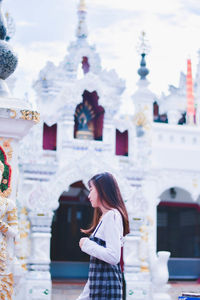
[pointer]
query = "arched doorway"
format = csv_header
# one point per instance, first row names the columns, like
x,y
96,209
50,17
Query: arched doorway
x,y
74,212
178,231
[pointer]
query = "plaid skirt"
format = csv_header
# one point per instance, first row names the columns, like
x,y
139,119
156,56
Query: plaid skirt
x,y
105,280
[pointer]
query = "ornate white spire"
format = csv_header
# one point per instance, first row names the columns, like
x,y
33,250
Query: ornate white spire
x,y
82,31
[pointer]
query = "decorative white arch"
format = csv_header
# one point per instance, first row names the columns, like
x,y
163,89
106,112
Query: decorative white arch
x,y
72,91
188,181
45,196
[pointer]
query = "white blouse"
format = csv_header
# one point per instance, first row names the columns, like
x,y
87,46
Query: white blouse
x,y
111,231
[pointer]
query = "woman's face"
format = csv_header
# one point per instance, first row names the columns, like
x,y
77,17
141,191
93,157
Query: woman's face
x,y
93,196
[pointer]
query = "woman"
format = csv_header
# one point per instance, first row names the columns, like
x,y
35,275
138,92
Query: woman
x,y
110,224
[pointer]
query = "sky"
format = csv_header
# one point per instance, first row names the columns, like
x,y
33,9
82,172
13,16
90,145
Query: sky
x,y
44,29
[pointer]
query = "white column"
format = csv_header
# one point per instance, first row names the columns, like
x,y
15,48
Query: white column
x,y
136,260
38,281
108,135
157,261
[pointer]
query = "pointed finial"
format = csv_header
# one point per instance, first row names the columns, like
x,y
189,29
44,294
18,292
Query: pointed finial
x,y
81,31
10,26
143,49
3,29
143,44
82,6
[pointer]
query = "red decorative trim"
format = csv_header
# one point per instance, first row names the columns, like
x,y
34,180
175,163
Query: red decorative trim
x,y
180,204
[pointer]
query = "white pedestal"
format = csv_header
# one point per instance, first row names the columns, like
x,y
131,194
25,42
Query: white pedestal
x,y
38,285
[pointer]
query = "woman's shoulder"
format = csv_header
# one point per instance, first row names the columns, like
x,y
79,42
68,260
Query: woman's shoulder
x,y
113,213
113,218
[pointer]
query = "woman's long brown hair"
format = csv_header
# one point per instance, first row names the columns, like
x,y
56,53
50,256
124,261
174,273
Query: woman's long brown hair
x,y
110,197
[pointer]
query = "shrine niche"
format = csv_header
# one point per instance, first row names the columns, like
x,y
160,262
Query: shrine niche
x,y
89,118
85,65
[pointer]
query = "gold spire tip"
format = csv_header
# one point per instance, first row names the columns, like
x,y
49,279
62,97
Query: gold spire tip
x,y
82,5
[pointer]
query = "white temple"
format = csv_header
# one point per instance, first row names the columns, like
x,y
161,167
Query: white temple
x,y
153,152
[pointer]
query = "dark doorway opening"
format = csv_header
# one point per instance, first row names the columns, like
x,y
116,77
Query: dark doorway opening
x,y
74,212
178,231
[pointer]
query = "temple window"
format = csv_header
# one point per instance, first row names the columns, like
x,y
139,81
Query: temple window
x,y
156,116
121,143
89,118
155,111
49,137
182,120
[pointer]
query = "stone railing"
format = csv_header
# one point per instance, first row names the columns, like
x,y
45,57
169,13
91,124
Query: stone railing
x,y
175,146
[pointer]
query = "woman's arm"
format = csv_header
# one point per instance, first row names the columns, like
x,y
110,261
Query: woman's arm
x,y
112,252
